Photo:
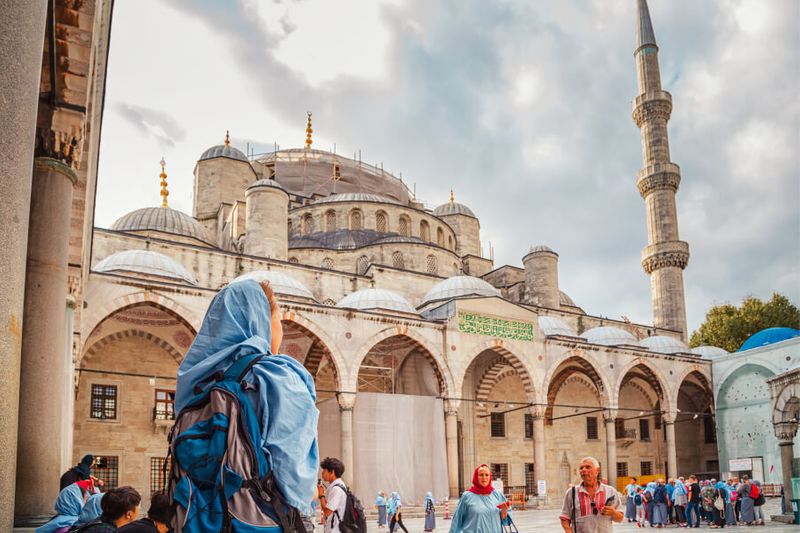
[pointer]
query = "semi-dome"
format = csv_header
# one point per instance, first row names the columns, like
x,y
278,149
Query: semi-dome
x,y
224,150
281,283
355,197
145,262
163,219
664,344
366,299
459,286
709,352
609,336
551,325
769,336
453,208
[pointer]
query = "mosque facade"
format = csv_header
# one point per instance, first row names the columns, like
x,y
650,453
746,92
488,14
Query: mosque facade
x,y
422,349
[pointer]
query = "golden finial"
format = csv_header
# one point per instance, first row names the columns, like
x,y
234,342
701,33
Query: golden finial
x,y
452,198
164,191
227,137
309,131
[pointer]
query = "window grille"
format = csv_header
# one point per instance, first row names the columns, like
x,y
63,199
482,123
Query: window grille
x,y
294,260
106,467
158,480
528,426
330,221
622,469
591,428
440,237
104,402
328,301
498,425
431,266
356,219
646,468
404,227
380,221
362,265
397,260
644,429
424,231
500,471
308,225
165,405
530,479
327,263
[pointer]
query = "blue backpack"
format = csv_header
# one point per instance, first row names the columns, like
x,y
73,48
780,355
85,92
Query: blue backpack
x,y
220,477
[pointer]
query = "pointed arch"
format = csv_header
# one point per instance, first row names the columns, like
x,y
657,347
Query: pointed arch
x,y
564,368
97,345
502,349
322,345
643,368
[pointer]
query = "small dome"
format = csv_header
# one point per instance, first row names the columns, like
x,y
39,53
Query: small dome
x,y
281,283
564,299
709,352
540,248
609,336
355,197
376,299
163,219
551,325
769,336
145,262
266,183
459,286
453,208
223,150
664,344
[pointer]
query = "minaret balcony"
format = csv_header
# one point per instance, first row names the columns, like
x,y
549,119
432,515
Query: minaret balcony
x,y
658,176
665,254
651,105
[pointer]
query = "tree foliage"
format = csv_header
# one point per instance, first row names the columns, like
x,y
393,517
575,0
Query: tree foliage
x,y
728,326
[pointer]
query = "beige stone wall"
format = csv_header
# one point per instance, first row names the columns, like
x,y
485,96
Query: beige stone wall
x,y
541,279
216,181
468,234
267,212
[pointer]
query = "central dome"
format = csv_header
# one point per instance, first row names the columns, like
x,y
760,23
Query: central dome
x,y
459,286
164,219
367,299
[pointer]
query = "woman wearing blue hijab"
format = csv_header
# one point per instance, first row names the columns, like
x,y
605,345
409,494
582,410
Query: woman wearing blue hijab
x,y
430,513
68,506
395,513
243,319
92,510
380,505
718,515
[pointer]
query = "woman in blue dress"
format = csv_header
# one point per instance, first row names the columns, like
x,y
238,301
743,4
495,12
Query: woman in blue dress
x,y
630,506
481,509
380,505
430,513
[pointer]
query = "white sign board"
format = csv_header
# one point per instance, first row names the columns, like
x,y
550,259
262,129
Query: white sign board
x,y
740,465
541,487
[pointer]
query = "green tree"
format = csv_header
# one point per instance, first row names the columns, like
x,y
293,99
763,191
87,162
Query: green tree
x,y
728,326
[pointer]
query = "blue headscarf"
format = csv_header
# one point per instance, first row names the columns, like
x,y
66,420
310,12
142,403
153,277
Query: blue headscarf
x,y
68,506
394,503
380,500
237,324
91,510
651,487
723,490
428,498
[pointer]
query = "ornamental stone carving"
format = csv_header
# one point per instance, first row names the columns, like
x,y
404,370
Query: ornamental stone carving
x,y
650,110
665,259
661,180
59,136
785,432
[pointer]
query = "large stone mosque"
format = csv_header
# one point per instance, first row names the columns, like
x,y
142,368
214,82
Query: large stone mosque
x,y
428,358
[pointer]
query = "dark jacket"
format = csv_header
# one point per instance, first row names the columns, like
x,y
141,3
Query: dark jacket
x,y
145,525
76,473
694,493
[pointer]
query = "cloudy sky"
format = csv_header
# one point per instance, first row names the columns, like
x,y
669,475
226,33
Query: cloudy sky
x,y
522,107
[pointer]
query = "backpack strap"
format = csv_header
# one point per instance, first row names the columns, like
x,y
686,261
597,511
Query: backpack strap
x,y
238,370
574,519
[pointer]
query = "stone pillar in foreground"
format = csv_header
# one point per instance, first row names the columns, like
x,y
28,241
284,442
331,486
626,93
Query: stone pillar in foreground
x,y
451,439
22,27
785,432
610,470
672,449
539,467
347,401
43,385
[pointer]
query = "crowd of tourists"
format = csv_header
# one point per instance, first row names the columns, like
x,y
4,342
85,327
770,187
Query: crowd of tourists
x,y
690,502
390,511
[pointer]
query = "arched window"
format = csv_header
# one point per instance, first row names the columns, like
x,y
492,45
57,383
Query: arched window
x,y
356,219
404,228
440,237
362,265
424,231
455,268
397,260
431,264
294,260
380,221
289,230
308,224
330,220
327,263
450,242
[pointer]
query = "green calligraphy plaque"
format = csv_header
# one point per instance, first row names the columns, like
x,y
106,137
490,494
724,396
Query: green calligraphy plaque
x,y
494,327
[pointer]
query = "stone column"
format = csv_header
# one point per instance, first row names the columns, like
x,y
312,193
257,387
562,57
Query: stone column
x,y
539,467
347,401
21,40
610,470
451,439
672,450
43,386
785,432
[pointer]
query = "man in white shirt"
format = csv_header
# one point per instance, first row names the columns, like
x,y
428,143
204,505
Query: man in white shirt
x,y
333,499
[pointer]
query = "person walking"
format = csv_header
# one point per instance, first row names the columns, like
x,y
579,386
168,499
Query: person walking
x,y
630,505
641,512
660,505
679,500
430,513
649,493
79,472
395,509
332,499
591,506
693,507
748,511
159,516
758,502
482,508
380,505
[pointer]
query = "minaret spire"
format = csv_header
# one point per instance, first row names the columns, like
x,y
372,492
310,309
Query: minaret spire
x,y
665,255
309,131
164,191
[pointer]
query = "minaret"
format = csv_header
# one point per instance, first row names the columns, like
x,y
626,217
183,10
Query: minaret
x,y
665,255
164,191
